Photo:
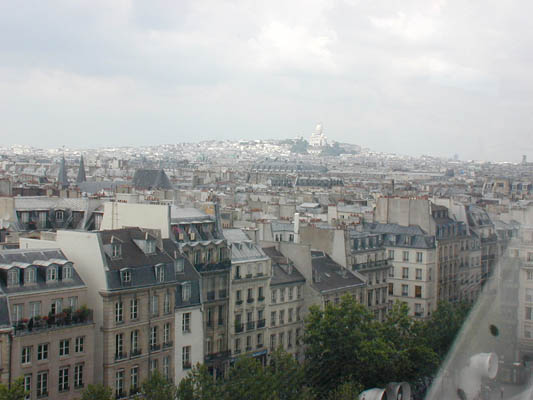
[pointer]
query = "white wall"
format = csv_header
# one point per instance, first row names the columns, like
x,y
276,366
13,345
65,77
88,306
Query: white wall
x,y
195,339
148,216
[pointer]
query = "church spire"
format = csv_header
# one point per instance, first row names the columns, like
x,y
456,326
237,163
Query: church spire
x,y
81,172
62,179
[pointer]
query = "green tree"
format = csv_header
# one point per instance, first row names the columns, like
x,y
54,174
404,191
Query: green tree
x,y
97,392
288,376
199,385
157,387
15,392
346,391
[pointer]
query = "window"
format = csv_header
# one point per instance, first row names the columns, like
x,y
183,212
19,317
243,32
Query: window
x,y
237,272
289,339
272,341
166,366
134,342
298,315
391,289
209,346
282,295
35,309
405,256
391,254
27,386
78,345
419,274
63,379
60,215
42,384
405,273
51,274
250,297
418,256
18,309
290,293
64,347
299,288
274,295
115,250
248,343
153,366
238,298
56,306
221,315
186,323
186,293
179,265
273,318
150,246
166,333
29,276
42,352
13,277
405,290
529,295
281,317
259,340
118,312
530,275
291,314
134,378
73,303
186,357
237,345
528,313
153,337
154,305
125,275
159,273
418,291
281,339
260,296
134,306
26,355
119,346
119,383
260,269
166,304
67,272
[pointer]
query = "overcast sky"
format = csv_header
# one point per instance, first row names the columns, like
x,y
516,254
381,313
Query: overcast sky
x,y
416,77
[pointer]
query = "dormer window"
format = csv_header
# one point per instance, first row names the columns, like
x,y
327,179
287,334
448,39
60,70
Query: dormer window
x,y
178,265
13,277
125,276
160,273
150,246
116,250
29,276
51,274
67,272
60,215
186,292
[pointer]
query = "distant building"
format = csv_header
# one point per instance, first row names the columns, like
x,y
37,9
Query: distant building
x,y
151,179
318,139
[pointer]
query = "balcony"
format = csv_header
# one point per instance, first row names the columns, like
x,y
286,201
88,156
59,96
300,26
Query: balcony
x,y
186,365
250,325
166,345
239,327
65,319
259,345
135,353
155,347
238,302
249,276
259,275
222,294
249,300
261,298
211,295
135,391
261,323
237,277
121,356
217,356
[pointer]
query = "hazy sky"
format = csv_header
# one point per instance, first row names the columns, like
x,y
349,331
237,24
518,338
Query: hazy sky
x,y
418,77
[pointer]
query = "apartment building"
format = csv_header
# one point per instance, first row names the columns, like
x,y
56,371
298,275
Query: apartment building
x,y
367,255
287,307
47,335
200,239
250,276
412,275
132,279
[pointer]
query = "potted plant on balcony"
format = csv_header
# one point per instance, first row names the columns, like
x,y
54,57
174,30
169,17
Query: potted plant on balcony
x,y
68,315
82,314
51,318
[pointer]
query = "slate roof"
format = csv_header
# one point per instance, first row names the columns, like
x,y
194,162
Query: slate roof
x,y
131,255
149,179
377,227
243,249
40,258
4,313
281,274
81,172
278,226
330,276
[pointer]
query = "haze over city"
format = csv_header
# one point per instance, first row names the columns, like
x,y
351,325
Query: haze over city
x,y
410,77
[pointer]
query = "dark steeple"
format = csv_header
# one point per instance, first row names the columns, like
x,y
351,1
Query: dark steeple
x,y
62,179
81,172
